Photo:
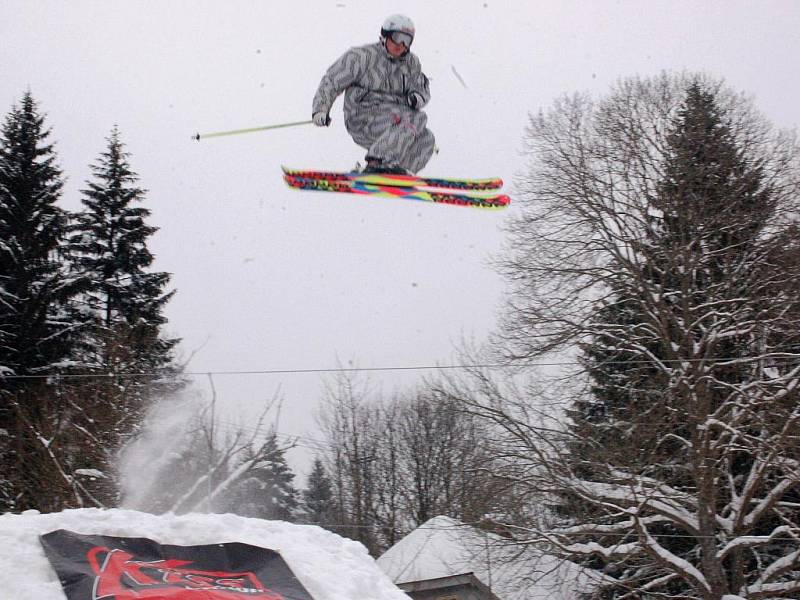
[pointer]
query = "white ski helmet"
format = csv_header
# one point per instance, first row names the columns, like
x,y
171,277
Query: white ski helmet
x,y
400,24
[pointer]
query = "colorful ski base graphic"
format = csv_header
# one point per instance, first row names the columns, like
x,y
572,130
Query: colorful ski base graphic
x,y
399,180
493,202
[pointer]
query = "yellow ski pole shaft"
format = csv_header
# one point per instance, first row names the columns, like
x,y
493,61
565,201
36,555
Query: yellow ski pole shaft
x,y
202,136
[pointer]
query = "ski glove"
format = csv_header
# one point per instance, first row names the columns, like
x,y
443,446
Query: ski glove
x,y
321,119
414,100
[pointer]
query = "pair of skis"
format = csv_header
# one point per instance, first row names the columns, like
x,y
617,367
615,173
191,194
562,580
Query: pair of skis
x,y
478,193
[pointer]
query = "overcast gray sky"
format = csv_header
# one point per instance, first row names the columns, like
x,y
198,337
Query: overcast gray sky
x,y
270,278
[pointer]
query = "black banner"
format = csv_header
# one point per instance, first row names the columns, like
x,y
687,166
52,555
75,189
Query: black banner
x,y
99,567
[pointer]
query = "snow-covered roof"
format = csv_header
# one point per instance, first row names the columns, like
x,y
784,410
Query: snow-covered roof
x,y
442,547
318,558
435,549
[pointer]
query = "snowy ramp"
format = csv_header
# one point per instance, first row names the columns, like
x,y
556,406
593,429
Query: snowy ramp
x,y
329,566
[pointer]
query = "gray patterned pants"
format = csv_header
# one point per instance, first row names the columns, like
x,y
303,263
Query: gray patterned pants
x,y
394,133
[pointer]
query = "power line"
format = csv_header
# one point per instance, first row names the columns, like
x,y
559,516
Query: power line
x,y
784,360
317,370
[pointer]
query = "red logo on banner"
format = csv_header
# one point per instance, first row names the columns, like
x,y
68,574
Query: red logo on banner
x,y
119,576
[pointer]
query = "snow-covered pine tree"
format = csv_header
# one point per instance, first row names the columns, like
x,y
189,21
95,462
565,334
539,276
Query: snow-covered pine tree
x,y
109,246
265,490
36,336
708,214
623,387
122,312
316,506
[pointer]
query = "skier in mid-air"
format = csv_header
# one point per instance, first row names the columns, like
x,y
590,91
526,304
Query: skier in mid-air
x,y
385,91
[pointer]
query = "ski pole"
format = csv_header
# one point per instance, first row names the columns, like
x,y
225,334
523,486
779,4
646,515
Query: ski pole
x,y
201,136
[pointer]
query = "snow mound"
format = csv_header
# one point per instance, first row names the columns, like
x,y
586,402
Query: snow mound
x,y
329,566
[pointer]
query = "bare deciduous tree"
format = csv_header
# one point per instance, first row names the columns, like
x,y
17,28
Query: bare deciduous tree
x,y
656,229
397,463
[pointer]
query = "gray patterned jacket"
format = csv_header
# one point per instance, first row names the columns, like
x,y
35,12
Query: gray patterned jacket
x,y
372,81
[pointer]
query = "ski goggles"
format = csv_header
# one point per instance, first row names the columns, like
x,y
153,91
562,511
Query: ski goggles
x,y
400,37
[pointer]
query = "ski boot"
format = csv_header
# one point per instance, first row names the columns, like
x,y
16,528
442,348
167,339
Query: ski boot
x,y
376,165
